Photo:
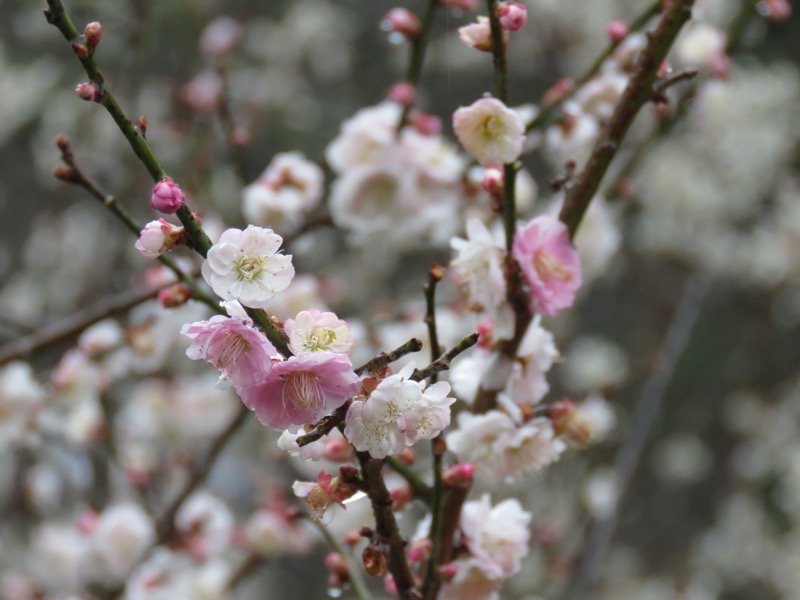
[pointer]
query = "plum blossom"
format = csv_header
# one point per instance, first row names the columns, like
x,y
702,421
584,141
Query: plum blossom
x,y
398,413
536,355
289,187
512,15
245,266
550,263
317,331
206,523
238,350
158,237
478,267
270,532
501,449
478,35
490,131
302,389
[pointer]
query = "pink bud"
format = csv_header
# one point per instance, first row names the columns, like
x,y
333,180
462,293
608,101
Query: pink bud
x,y
448,571
167,197
89,92
337,449
426,123
402,93
493,180
86,521
175,295
402,21
512,15
459,475
93,34
556,92
617,31
158,237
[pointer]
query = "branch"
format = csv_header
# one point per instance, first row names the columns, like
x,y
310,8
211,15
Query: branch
x,y
443,362
417,58
547,114
385,358
386,525
638,92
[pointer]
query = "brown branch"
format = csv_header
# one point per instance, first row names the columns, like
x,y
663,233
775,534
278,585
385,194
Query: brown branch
x,y
73,325
386,525
639,91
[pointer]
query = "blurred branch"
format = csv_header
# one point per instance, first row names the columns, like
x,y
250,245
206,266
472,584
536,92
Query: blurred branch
x,y
646,410
639,91
547,114
74,324
418,47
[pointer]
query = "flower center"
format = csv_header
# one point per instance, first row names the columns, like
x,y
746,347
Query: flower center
x,y
233,346
321,339
249,267
490,127
550,268
303,391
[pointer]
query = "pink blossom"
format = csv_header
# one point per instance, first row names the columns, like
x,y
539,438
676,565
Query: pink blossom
x,y
239,351
550,263
512,15
477,35
167,197
220,37
158,237
402,21
302,389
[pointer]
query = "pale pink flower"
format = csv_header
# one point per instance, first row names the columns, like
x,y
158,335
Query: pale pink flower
x,y
512,15
158,237
167,197
317,331
478,267
535,357
550,263
203,94
497,536
120,538
206,524
477,35
490,131
502,450
245,266
290,186
397,414
600,96
273,533
302,390
239,351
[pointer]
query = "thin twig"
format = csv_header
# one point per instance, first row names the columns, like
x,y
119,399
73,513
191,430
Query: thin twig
x,y
648,405
385,358
547,114
639,91
417,58
443,362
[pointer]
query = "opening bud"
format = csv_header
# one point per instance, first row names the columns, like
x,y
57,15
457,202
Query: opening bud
x,y
567,421
459,475
175,295
93,34
89,92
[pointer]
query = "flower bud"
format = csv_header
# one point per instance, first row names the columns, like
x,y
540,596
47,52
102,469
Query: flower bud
x,y
402,21
617,30
89,92
337,449
459,475
93,34
376,559
175,295
567,421
400,497
426,123
512,15
478,35
158,237
167,197
403,93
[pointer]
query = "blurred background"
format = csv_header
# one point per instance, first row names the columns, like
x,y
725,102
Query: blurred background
x,y
688,327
